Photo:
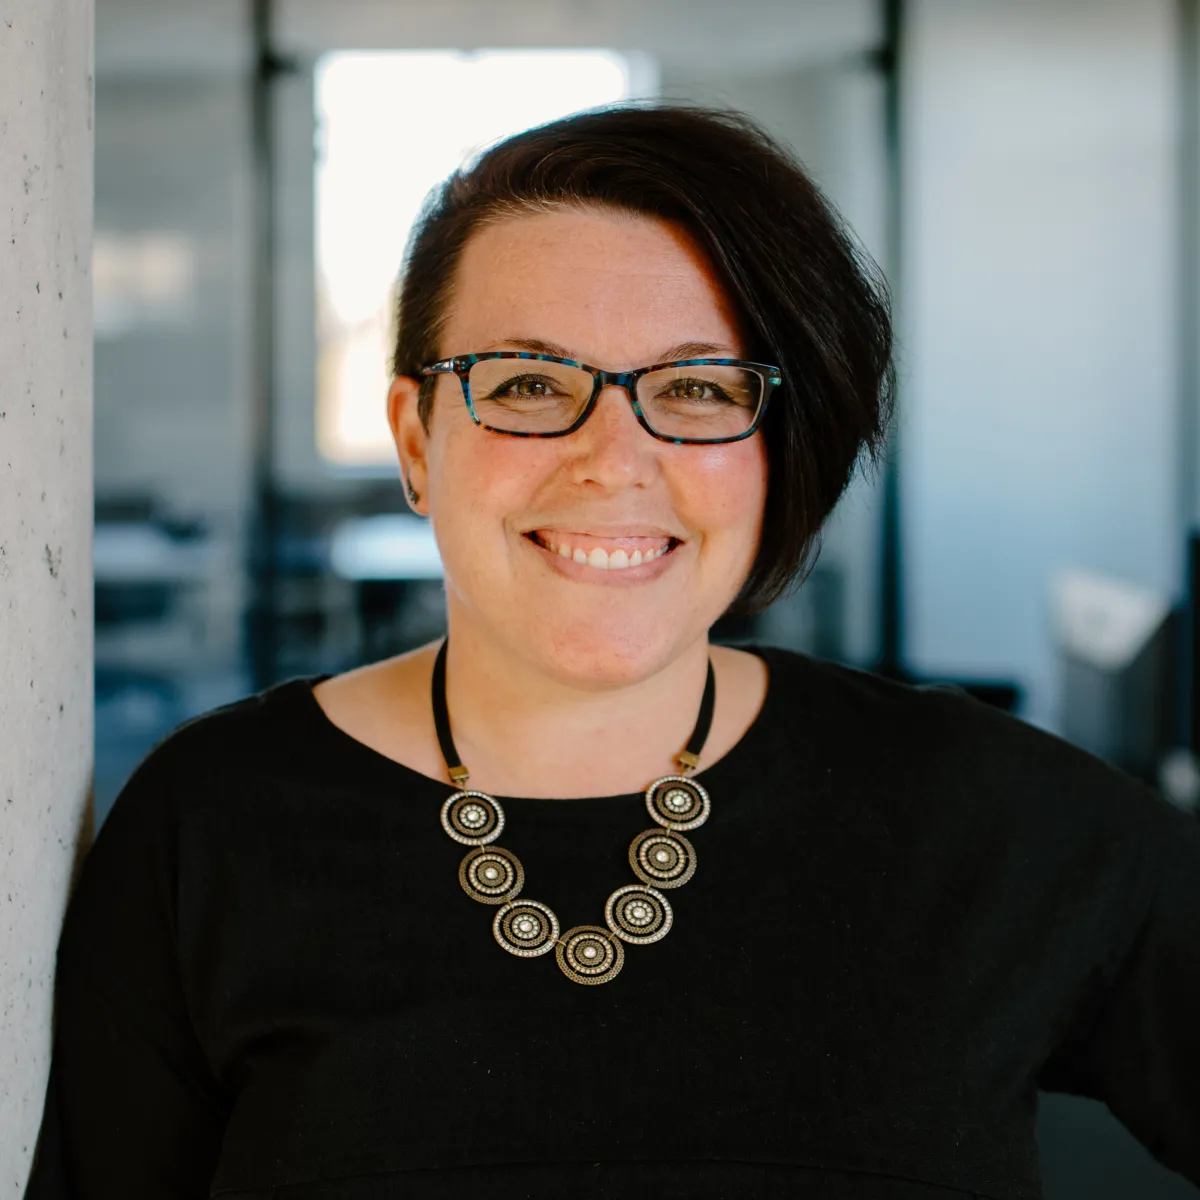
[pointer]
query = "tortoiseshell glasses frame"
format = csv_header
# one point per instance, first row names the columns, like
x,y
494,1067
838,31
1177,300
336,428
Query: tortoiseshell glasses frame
x,y
461,364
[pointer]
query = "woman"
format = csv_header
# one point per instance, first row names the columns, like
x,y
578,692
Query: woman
x,y
430,928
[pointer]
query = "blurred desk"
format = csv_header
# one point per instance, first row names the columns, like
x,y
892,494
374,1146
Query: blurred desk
x,y
390,546
133,553
393,562
151,603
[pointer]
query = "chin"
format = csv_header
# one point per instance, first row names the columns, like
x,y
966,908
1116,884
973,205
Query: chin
x,y
606,652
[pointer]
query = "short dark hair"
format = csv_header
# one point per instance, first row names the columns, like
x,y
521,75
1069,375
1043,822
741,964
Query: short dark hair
x,y
810,300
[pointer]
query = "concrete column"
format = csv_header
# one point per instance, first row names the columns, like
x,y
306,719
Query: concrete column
x,y
45,528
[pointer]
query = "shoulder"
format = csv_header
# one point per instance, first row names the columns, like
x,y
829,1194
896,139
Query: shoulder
x,y
979,797
248,733
189,795
215,757
934,749
815,684
852,705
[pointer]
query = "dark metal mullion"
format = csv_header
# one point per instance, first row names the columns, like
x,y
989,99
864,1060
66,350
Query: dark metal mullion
x,y
1187,715
1189,690
262,609
891,576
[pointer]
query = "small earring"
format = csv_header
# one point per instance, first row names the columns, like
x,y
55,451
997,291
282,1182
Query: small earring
x,y
413,497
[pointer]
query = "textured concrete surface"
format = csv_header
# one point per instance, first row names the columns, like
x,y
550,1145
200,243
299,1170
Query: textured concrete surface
x,y
45,527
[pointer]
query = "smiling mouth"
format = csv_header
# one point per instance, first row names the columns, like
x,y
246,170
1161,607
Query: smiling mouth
x,y
598,557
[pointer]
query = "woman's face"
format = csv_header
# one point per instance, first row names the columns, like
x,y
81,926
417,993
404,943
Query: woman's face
x,y
617,291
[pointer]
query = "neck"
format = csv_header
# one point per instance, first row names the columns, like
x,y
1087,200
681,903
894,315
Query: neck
x,y
523,728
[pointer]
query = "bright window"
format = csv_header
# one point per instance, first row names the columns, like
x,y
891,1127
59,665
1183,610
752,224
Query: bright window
x,y
391,126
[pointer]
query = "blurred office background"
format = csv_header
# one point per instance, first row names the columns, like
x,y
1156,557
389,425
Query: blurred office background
x,y
1027,172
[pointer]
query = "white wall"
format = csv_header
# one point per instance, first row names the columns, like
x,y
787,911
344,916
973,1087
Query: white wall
x,y
1038,319
45,527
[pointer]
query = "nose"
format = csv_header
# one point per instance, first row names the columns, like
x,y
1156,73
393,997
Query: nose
x,y
611,448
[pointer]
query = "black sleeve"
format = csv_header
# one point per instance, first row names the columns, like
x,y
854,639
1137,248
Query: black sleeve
x,y
1136,1045
132,1108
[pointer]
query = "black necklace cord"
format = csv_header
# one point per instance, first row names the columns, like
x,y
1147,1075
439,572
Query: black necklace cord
x,y
688,759
441,720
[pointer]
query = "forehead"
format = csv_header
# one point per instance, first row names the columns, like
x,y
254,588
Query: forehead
x,y
615,286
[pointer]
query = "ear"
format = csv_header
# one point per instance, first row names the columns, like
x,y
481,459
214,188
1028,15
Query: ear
x,y
412,442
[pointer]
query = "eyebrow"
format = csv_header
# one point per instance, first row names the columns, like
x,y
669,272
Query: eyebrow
x,y
671,354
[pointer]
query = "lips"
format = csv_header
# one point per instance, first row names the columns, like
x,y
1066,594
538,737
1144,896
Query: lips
x,y
606,554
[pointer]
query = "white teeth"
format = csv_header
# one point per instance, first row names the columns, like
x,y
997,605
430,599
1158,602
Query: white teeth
x,y
618,560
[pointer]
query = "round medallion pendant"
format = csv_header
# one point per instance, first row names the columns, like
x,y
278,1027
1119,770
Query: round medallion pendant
x,y
525,928
589,954
663,858
638,915
472,818
491,875
677,802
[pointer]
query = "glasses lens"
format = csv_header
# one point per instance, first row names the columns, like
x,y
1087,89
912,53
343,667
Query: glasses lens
x,y
526,395
706,401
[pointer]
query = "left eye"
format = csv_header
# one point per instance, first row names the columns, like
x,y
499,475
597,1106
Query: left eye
x,y
694,389
531,387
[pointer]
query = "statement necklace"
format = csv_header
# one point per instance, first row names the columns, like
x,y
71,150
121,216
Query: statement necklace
x,y
638,914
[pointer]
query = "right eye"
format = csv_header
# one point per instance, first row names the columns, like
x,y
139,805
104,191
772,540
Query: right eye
x,y
525,387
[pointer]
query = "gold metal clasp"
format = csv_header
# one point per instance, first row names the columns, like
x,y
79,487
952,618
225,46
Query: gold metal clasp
x,y
687,761
459,776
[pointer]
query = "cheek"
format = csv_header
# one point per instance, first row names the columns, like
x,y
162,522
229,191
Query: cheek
x,y
484,476
728,486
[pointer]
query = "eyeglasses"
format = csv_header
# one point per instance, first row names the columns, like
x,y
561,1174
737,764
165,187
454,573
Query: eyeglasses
x,y
696,401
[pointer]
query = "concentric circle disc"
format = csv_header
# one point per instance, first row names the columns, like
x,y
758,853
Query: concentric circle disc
x,y
638,914
491,875
589,954
677,802
525,928
663,858
473,818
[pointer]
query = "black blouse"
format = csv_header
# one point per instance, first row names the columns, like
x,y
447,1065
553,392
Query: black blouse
x,y
911,910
